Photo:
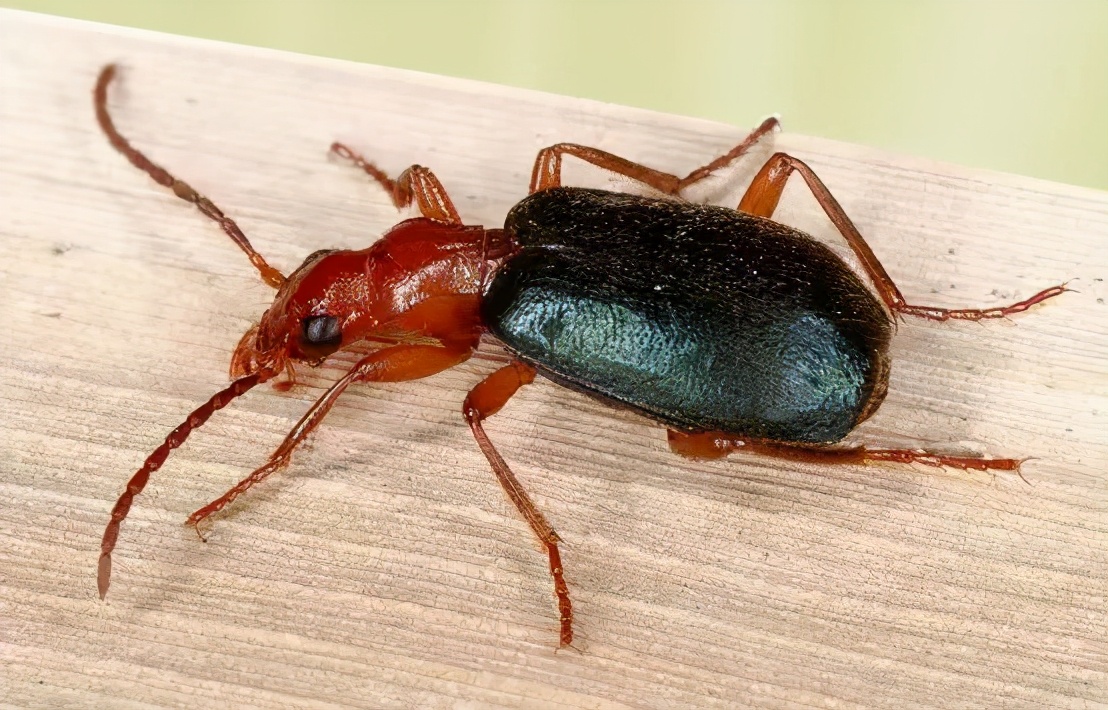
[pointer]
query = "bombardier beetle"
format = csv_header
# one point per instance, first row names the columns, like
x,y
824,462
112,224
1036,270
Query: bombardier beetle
x,y
733,331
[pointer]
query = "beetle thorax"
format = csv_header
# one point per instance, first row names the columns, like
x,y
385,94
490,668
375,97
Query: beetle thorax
x,y
420,280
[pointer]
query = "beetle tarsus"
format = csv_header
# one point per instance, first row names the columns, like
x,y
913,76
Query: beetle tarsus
x,y
979,314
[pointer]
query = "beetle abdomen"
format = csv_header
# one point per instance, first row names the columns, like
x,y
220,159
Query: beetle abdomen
x,y
700,317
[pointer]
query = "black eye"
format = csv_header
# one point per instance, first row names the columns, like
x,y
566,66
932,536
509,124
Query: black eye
x,y
322,330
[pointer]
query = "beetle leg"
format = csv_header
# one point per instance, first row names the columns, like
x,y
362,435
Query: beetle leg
x,y
713,444
392,364
767,126
416,184
547,172
483,401
764,194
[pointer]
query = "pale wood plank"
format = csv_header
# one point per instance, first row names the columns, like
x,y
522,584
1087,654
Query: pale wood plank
x,y
385,568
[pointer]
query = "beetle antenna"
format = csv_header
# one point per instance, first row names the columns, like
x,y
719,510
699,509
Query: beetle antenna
x,y
180,188
138,481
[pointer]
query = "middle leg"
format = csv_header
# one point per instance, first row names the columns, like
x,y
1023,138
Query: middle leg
x,y
483,401
547,172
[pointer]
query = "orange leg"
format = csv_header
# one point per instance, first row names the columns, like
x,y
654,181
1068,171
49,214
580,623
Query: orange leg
x,y
180,188
393,364
416,184
547,172
713,445
764,193
483,401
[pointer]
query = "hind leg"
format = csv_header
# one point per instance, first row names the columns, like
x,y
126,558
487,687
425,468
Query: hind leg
x,y
764,193
714,445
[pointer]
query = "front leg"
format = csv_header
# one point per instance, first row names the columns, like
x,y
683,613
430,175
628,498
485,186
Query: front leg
x,y
393,364
416,184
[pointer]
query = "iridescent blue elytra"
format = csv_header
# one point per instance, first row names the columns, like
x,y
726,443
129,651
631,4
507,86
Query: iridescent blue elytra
x,y
703,318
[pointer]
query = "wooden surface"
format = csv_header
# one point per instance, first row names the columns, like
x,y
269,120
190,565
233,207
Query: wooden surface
x,y
385,568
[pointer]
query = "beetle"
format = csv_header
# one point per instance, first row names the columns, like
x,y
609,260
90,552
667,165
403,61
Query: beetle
x,y
734,331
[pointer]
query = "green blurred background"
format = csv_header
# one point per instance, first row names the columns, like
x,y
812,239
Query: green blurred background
x,y
1013,85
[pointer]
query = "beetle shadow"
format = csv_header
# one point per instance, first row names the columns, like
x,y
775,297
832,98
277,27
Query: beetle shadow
x,y
919,405
951,389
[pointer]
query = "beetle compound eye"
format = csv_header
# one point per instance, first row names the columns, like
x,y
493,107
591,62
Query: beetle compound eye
x,y
322,330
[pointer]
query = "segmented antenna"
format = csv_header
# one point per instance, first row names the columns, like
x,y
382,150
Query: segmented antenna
x,y
176,437
180,188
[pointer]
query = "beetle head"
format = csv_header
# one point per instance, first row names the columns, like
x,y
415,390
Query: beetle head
x,y
312,310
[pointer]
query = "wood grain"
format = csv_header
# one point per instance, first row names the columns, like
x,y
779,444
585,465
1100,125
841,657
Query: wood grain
x,y
385,568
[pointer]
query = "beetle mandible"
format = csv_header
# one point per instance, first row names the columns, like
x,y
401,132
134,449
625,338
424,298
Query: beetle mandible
x,y
730,329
